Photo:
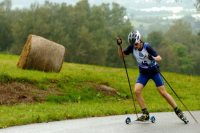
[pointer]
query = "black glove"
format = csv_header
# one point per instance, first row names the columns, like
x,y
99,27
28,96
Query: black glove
x,y
119,39
151,57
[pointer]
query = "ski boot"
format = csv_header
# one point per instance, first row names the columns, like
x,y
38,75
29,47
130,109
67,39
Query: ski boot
x,y
143,117
180,114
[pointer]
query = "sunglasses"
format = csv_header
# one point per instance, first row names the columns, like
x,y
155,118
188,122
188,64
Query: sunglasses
x,y
136,43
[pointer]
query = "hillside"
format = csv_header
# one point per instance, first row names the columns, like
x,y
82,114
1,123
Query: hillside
x,y
27,86
80,90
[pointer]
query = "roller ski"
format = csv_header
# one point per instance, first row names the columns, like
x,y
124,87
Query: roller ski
x,y
143,118
180,114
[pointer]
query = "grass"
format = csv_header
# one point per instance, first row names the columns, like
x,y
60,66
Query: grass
x,y
82,100
137,24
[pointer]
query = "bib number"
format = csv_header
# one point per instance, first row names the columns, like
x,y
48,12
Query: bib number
x,y
144,63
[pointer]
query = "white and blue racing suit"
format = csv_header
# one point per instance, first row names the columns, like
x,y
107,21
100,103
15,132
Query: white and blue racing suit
x,y
146,66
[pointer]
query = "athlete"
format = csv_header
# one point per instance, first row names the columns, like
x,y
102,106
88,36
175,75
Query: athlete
x,y
147,59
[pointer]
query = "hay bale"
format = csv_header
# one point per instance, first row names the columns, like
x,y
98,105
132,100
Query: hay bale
x,y
41,54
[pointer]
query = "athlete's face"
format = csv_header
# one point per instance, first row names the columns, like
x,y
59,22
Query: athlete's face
x,y
138,45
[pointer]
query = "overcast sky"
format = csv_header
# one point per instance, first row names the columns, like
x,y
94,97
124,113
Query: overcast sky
x,y
143,3
26,3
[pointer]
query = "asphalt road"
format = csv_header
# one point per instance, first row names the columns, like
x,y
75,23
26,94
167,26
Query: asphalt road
x,y
165,123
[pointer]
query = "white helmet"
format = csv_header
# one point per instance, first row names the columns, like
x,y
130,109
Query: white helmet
x,y
134,37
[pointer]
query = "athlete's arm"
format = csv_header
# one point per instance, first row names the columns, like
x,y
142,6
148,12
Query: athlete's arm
x,y
158,58
120,52
152,52
128,50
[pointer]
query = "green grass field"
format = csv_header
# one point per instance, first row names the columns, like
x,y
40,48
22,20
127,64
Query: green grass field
x,y
137,24
82,98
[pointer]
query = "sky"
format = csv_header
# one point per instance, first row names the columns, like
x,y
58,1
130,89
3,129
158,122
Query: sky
x,y
143,5
26,3
132,3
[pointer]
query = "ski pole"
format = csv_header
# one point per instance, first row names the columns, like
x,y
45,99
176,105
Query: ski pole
x,y
129,82
175,94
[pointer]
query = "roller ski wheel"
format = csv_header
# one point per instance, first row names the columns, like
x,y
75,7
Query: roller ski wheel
x,y
184,119
153,119
181,115
128,120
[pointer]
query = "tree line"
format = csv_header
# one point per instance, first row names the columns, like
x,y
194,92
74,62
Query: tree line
x,y
89,34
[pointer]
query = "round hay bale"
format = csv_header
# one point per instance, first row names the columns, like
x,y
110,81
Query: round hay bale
x,y
41,54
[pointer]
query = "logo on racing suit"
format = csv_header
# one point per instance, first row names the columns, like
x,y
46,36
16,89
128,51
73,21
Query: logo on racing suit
x,y
140,54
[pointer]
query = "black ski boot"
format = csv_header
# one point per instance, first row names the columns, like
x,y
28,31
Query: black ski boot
x,y
143,117
180,114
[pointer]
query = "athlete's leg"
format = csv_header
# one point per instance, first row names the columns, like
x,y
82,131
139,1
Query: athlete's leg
x,y
138,92
167,96
157,78
171,101
161,88
140,84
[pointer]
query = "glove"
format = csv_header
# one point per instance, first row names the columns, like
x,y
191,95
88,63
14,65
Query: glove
x,y
119,41
151,57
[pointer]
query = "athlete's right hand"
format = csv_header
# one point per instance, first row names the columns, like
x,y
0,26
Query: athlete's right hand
x,y
119,41
150,57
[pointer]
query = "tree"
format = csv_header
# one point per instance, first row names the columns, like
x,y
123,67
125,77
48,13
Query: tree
x,y
116,25
179,32
197,5
170,62
89,34
196,59
185,60
6,36
22,27
6,5
155,38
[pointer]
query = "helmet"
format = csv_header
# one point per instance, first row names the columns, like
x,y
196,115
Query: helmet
x,y
134,37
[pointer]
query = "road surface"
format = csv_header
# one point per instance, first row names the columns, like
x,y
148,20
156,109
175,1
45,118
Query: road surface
x,y
165,123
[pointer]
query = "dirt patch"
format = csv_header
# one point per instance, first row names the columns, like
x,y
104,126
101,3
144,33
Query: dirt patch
x,y
14,93
106,90
103,88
